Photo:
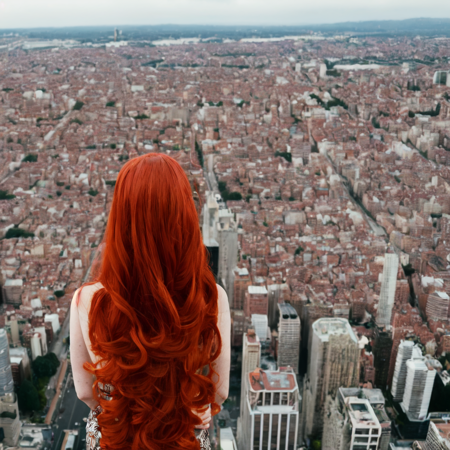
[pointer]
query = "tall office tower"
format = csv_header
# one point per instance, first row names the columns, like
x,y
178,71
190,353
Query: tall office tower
x,y
220,235
9,419
241,282
333,362
239,325
6,379
251,357
382,356
387,294
256,301
419,386
269,419
259,324
405,351
288,337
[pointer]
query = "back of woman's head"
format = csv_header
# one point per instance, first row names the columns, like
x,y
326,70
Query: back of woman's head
x,y
154,323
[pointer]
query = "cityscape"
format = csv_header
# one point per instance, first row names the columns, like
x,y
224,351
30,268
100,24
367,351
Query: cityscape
x,y
319,160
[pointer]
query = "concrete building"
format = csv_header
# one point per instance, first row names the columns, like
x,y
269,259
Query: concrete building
x,y
227,441
6,379
387,294
405,351
438,438
240,282
12,292
220,232
9,418
269,419
333,363
259,323
382,350
288,337
442,77
350,424
418,388
256,301
251,357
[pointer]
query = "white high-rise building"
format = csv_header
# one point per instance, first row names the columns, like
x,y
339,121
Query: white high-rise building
x,y
288,337
387,294
405,351
333,362
442,77
6,379
260,324
220,230
419,386
269,419
251,357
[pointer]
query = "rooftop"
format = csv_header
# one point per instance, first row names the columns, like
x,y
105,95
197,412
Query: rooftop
x,y
326,327
257,290
261,380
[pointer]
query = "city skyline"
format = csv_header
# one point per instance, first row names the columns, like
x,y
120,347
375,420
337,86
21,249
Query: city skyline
x,y
51,13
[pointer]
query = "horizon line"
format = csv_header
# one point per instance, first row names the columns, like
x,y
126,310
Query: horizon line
x,y
225,25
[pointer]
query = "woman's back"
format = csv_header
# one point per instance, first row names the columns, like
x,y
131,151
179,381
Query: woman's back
x,y
150,320
93,435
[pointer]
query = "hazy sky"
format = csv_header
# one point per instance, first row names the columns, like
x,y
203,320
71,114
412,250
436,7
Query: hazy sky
x,y
59,13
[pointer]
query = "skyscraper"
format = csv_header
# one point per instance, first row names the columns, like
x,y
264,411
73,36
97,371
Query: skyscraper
x,y
333,362
251,357
240,281
405,351
220,234
382,356
269,418
387,294
419,386
288,337
6,379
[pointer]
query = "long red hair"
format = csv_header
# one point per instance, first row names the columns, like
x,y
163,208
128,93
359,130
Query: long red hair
x,y
154,322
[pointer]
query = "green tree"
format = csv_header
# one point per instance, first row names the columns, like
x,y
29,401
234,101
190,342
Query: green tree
x,y
17,233
30,158
43,367
78,105
234,196
28,397
5,196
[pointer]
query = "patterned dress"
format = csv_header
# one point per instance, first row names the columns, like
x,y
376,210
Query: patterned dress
x,y
93,434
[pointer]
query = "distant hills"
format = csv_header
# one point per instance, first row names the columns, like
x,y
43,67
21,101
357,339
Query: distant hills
x,y
384,28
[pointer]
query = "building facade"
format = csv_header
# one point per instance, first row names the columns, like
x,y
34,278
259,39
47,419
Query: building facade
x,y
269,419
288,353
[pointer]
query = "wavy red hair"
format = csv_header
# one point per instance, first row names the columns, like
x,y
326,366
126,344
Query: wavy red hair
x,y
154,323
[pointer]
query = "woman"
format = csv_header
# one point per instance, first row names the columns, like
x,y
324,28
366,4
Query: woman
x,y
150,336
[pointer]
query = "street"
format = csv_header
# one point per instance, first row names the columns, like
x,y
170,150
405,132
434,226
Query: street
x,y
73,412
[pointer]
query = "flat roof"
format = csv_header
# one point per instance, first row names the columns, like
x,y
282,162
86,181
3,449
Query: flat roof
x,y
287,311
261,380
362,414
328,326
257,290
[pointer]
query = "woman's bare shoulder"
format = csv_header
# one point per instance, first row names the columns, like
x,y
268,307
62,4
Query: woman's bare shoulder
x,y
87,292
224,307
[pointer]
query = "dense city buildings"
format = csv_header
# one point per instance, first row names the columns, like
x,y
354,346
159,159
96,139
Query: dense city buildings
x,y
320,169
